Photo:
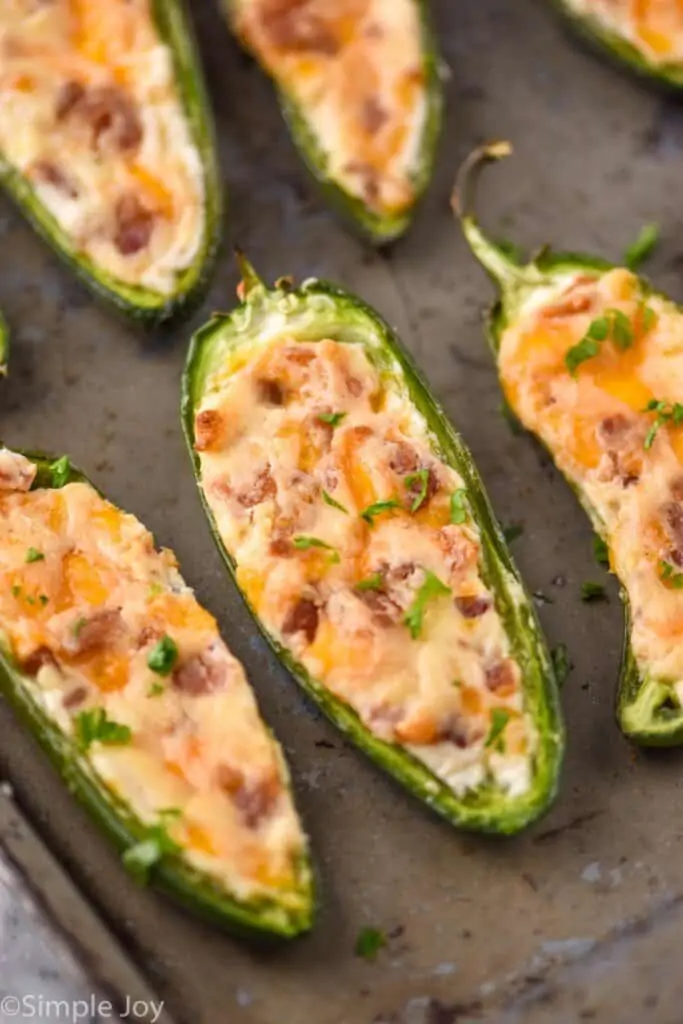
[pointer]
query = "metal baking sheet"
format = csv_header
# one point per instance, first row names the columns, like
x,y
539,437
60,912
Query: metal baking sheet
x,y
580,917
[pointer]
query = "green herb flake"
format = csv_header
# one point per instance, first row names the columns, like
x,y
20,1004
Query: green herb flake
x,y
668,574
163,656
16,590
421,480
332,418
156,689
600,551
304,543
561,663
622,329
369,942
499,719
44,599
34,555
512,532
369,513
642,247
373,582
60,471
593,592
613,325
648,317
329,500
154,844
667,412
458,507
579,353
155,589
429,591
94,726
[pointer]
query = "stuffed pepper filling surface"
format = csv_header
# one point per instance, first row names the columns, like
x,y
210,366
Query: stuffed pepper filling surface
x,y
355,547
91,118
655,27
593,364
355,71
120,656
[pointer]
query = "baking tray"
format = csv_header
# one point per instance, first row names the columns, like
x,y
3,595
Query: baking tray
x,y
476,925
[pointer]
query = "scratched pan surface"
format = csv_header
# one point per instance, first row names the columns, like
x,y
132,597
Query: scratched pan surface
x,y
477,928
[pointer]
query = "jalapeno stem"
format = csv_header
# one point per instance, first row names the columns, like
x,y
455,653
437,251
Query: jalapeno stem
x,y
498,263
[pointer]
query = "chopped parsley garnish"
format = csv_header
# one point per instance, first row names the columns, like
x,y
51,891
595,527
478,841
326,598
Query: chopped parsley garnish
x,y
34,555
332,418
329,500
94,726
304,543
78,626
667,412
369,942
163,656
600,551
156,689
561,662
60,471
593,592
458,508
499,719
369,513
430,589
155,589
642,247
374,582
648,316
668,574
512,532
43,598
613,325
154,844
16,590
421,480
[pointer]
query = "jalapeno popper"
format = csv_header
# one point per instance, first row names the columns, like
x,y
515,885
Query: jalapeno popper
x,y
647,35
591,361
359,87
124,678
360,535
106,144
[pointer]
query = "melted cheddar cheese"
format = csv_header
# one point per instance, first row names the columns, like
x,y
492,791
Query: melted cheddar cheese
x,y
626,458
354,69
354,546
655,27
85,602
91,118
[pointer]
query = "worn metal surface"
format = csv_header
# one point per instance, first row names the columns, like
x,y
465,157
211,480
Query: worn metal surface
x,y
475,925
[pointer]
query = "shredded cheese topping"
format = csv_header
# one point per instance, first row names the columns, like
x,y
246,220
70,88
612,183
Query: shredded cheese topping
x,y
90,116
120,655
355,546
654,27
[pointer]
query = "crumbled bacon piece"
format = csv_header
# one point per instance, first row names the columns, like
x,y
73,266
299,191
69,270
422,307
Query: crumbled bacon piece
x,y
262,487
133,222
109,112
102,629
501,676
254,798
296,25
403,459
40,658
460,550
373,116
75,697
209,425
52,174
385,611
302,617
269,391
473,606
202,674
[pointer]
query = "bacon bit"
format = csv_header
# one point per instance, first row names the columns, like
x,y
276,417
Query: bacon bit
x,y
51,174
201,674
263,487
454,729
101,630
404,459
40,658
75,698
303,617
134,224
677,488
70,94
354,386
253,798
613,430
299,355
209,425
372,115
432,488
374,31
281,546
385,611
270,392
501,676
296,26
672,514
16,472
473,607
369,178
570,306
382,720
461,552
149,635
